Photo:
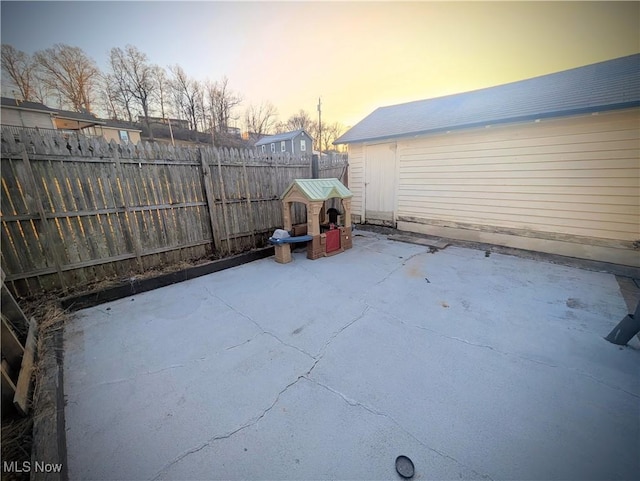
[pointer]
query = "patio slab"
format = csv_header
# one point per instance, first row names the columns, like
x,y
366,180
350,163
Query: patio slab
x,y
475,367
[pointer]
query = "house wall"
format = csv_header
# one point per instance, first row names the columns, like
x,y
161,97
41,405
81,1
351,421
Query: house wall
x,y
356,181
114,134
288,145
26,118
309,140
566,186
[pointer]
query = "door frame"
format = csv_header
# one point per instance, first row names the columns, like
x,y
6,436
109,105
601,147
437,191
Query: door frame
x,y
393,145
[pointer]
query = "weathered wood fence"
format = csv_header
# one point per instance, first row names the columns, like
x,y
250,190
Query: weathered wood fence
x,y
80,212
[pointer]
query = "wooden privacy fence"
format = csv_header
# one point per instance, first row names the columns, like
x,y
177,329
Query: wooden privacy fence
x,y
82,212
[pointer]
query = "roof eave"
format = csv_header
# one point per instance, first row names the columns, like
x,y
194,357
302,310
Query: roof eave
x,y
525,118
42,111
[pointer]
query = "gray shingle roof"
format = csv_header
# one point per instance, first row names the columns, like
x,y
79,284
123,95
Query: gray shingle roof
x,y
121,124
9,102
613,84
279,137
85,116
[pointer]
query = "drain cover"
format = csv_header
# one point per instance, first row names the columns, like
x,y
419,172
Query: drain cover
x,y
404,466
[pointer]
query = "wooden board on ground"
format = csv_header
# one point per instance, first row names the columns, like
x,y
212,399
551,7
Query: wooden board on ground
x,y
414,239
21,397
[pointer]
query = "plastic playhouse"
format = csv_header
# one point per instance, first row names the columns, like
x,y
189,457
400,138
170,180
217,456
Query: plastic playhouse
x,y
327,231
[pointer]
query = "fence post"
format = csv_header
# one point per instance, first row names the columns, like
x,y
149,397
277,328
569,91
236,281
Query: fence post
x,y
132,227
52,248
314,167
223,196
211,205
247,192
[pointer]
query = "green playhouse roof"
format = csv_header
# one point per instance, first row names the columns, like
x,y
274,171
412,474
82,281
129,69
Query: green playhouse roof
x,y
319,189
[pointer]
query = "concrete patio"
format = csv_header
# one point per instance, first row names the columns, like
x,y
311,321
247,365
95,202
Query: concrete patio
x,y
474,366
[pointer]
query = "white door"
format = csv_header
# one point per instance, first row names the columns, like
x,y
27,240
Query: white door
x,y
380,183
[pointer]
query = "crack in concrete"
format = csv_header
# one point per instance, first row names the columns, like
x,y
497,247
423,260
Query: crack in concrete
x,y
252,422
256,419
518,356
404,263
600,381
322,350
243,343
339,331
355,403
132,378
255,323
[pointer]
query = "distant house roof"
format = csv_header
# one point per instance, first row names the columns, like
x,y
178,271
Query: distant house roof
x,y
279,137
20,104
610,85
83,116
318,189
120,124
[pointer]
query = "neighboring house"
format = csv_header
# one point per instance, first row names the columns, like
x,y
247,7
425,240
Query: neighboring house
x,y
26,114
297,142
90,125
33,115
550,164
77,122
120,131
234,131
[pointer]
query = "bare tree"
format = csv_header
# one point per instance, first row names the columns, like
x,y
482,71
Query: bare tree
x,y
261,119
111,101
20,68
222,102
71,73
331,132
300,120
159,75
186,93
135,78
119,100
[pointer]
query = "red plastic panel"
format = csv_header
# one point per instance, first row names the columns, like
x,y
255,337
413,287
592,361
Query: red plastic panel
x,y
333,240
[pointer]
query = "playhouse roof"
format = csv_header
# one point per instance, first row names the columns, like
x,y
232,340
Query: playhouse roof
x,y
318,189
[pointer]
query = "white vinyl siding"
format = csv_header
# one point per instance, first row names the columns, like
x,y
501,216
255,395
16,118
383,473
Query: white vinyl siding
x,y
576,176
356,178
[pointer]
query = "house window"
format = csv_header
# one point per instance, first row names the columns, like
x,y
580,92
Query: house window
x,y
264,149
124,135
282,146
273,147
303,145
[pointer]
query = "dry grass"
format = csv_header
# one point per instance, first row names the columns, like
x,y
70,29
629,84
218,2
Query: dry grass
x,y
17,432
16,445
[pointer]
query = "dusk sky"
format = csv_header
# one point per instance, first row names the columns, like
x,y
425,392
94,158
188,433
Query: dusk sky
x,y
356,56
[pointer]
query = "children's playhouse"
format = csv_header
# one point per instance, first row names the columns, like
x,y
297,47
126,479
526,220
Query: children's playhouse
x,y
327,230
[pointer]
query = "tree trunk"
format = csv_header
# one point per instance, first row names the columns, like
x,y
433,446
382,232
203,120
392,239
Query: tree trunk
x,y
145,109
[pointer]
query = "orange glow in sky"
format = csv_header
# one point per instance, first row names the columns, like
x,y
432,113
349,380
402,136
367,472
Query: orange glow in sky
x,y
357,56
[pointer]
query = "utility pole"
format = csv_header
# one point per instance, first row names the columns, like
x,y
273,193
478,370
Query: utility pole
x,y
173,142
213,142
319,126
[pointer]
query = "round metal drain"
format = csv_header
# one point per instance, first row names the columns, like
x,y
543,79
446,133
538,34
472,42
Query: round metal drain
x,y
404,466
